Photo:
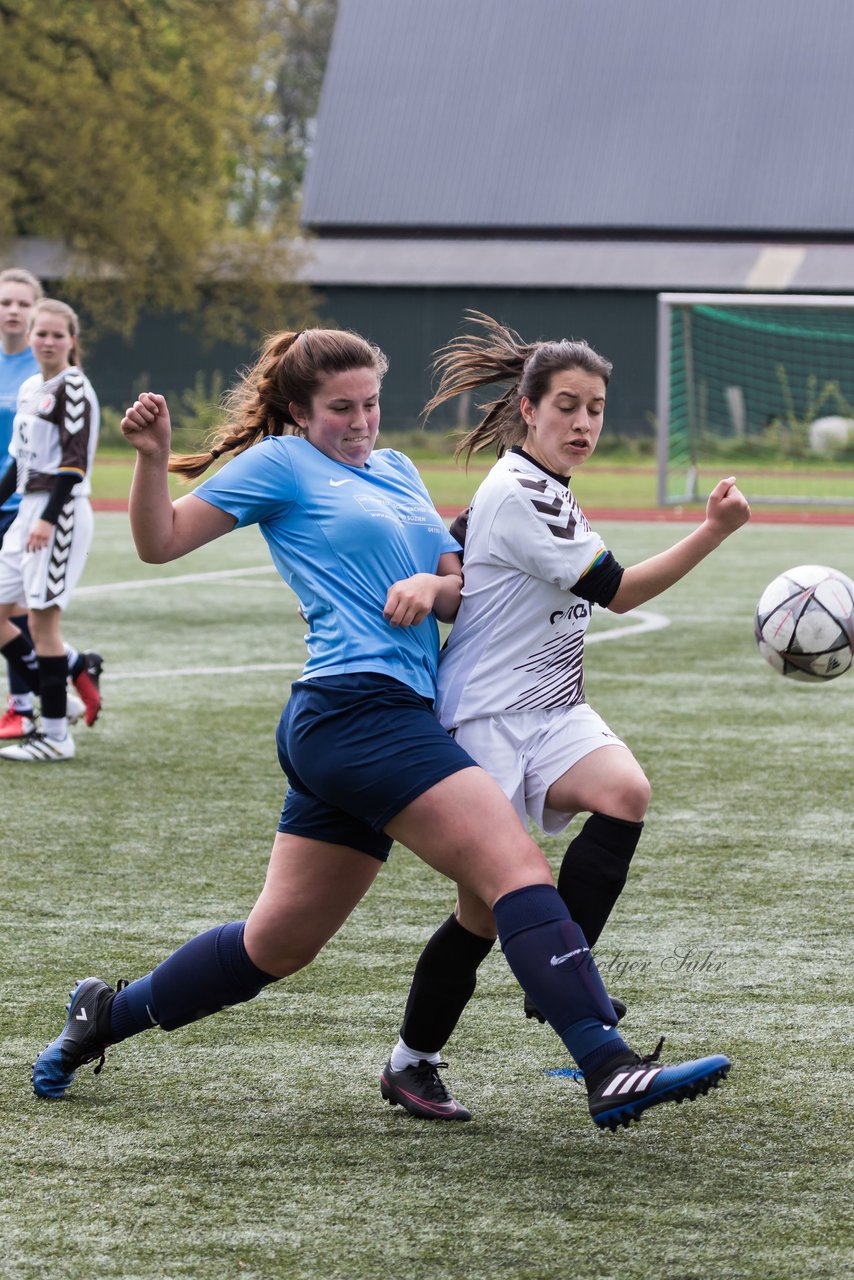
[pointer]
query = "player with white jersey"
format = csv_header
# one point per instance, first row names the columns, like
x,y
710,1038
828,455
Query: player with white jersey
x,y
511,681
43,554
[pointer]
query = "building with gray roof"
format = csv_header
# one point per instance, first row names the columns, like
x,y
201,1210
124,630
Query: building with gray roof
x,y
562,162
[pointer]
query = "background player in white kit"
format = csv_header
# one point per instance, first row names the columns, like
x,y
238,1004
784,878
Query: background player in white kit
x,y
43,553
511,685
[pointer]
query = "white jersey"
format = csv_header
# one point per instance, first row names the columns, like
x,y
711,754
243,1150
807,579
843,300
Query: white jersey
x,y
55,431
518,640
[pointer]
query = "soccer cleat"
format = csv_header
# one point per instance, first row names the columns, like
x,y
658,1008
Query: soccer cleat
x,y
87,682
75,709
84,1038
15,724
620,1008
631,1088
422,1092
38,748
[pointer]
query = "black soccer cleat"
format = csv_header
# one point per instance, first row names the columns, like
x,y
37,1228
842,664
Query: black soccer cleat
x,y
84,1038
422,1092
631,1087
620,1008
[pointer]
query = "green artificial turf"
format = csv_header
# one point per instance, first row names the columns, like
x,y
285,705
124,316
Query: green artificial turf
x,y
256,1144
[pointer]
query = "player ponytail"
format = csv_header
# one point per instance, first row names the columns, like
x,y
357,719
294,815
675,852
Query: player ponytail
x,y
288,371
496,355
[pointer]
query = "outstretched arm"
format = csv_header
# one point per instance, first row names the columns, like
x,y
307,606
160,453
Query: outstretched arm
x,y
726,510
163,530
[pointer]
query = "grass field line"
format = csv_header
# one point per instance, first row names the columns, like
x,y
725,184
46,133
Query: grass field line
x,y
183,672
649,622
142,584
641,620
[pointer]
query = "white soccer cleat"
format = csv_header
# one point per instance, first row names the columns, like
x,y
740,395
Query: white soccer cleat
x,y
76,708
38,748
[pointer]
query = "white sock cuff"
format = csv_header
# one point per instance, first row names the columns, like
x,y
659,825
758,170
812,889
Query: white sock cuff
x,y
402,1056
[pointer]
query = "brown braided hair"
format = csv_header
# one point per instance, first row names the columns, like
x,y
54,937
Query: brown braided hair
x,y
499,354
288,371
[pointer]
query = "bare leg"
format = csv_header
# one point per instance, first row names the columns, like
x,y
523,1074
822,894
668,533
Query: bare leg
x,y
310,890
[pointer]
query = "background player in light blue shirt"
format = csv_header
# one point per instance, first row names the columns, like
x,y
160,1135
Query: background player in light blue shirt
x,y
19,292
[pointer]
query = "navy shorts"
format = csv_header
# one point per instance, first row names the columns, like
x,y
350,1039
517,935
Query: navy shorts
x,y
357,749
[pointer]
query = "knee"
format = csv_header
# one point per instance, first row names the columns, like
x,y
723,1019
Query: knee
x,y
274,954
640,794
630,799
283,966
475,916
527,867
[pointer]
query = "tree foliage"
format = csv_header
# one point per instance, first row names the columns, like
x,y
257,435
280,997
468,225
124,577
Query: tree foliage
x,y
295,41
127,131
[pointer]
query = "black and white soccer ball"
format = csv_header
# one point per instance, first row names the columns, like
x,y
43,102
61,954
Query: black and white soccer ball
x,y
804,623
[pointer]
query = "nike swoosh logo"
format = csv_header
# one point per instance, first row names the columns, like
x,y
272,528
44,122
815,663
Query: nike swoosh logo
x,y
335,483
569,955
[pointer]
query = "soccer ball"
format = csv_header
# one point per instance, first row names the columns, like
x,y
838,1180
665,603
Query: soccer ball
x,y
804,623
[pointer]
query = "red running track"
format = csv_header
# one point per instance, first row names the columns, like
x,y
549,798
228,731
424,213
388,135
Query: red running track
x,y
667,515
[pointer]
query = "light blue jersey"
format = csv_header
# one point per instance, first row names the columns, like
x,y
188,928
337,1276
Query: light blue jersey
x,y
14,371
340,536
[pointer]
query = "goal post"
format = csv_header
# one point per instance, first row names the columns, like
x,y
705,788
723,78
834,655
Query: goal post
x,y
761,385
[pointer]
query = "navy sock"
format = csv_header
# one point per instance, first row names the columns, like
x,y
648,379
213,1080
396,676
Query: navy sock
x,y
552,963
206,974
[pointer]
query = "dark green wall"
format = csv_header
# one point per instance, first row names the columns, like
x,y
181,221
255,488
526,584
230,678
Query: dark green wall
x,y
409,324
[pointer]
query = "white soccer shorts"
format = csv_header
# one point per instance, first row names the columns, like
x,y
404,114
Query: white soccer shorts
x,y
47,577
526,751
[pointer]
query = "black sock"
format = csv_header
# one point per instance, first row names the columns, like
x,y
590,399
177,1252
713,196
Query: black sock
x,y
17,682
442,985
21,656
594,870
53,678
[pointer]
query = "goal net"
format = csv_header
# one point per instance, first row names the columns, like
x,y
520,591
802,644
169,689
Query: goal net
x,y
759,385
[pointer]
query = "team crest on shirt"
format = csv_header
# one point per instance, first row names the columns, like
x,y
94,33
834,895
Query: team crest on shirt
x,y
46,404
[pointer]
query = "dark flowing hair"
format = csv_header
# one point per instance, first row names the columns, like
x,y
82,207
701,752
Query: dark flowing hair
x,y
499,354
288,371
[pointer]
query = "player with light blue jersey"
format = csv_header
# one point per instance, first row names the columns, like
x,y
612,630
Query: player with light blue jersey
x,y
19,292
337,536
15,369
366,758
